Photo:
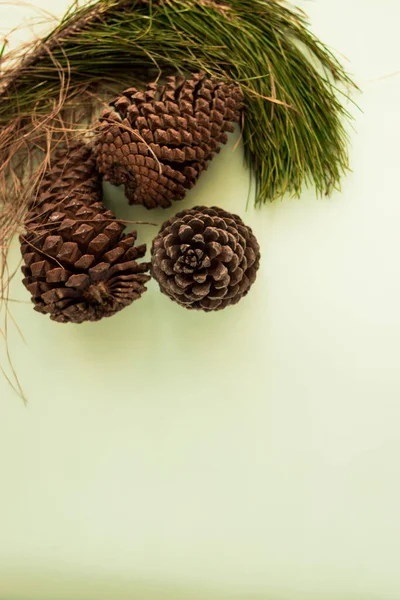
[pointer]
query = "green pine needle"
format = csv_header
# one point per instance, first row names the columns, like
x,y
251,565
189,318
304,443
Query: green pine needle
x,y
293,127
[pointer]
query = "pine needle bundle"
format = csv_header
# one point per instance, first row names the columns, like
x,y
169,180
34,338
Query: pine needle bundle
x,y
293,128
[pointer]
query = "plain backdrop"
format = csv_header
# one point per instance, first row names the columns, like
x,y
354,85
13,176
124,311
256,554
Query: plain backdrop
x,y
247,454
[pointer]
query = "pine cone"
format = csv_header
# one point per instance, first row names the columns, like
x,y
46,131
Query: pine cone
x,y
157,142
205,258
78,264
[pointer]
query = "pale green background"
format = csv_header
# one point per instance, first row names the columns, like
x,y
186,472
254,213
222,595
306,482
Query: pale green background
x,y
248,454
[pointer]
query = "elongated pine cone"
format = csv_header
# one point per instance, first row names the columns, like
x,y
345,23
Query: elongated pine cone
x,y
157,142
205,258
79,266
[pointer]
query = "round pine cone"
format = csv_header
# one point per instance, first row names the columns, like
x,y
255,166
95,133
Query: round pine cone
x,y
205,258
157,142
79,266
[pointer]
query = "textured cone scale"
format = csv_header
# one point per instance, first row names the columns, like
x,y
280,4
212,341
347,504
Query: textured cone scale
x,y
72,173
157,142
79,266
205,258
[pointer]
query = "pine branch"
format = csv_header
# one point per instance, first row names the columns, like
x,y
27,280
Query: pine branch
x,y
293,126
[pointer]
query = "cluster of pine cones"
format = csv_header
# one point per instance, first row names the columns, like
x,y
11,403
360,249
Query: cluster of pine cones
x,y
79,265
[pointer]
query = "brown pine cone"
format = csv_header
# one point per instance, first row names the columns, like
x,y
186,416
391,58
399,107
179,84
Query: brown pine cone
x,y
157,142
205,258
78,264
